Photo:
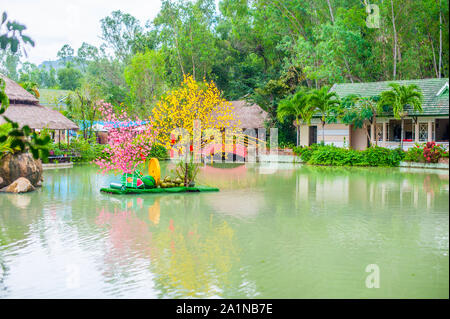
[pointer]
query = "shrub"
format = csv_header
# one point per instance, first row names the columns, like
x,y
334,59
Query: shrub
x,y
380,156
86,149
305,152
415,154
5,146
338,156
286,145
429,152
159,151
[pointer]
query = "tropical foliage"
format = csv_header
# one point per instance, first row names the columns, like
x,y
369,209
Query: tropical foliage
x,y
14,139
337,156
399,97
259,50
325,102
79,149
297,106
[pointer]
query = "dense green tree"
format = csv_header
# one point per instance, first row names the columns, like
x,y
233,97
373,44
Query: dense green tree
x,y
69,78
66,53
43,77
81,105
120,32
297,106
9,63
85,54
145,75
108,75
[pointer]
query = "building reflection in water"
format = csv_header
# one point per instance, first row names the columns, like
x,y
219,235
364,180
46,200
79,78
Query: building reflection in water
x,y
392,187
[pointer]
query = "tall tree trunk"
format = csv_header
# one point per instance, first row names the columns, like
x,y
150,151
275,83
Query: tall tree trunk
x,y
323,132
402,135
298,133
331,11
395,40
440,41
192,52
436,71
375,129
178,49
369,142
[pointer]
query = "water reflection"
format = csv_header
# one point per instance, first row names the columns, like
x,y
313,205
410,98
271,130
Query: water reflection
x,y
300,232
187,257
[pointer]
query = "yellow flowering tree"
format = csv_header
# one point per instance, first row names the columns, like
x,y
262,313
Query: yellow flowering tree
x,y
191,101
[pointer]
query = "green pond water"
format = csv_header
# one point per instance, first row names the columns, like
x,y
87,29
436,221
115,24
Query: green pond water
x,y
293,232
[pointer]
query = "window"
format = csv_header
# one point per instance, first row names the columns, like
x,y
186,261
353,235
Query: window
x,y
423,132
442,128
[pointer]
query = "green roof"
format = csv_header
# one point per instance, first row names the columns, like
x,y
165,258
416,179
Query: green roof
x,y
433,104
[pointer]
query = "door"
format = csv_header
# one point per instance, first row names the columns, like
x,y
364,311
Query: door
x,y
312,135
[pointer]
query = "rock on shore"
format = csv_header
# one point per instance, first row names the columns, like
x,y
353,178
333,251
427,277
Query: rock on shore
x,y
21,185
12,167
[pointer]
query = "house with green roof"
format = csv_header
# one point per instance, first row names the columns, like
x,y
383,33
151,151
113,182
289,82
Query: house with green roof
x,y
432,124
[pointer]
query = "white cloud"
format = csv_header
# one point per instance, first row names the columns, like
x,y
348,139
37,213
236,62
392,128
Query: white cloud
x,y
51,24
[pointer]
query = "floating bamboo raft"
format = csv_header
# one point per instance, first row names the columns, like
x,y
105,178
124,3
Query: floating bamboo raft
x,y
127,191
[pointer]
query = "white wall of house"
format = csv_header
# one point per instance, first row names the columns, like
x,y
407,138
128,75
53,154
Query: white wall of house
x,y
358,138
336,133
304,135
419,130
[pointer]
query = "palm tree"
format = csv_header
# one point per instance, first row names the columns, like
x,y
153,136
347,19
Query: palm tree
x,y
324,102
398,98
297,106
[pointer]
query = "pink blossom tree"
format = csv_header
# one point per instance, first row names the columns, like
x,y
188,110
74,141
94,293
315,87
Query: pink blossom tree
x,y
128,145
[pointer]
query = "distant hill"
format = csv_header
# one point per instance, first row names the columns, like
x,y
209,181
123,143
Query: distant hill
x,y
58,64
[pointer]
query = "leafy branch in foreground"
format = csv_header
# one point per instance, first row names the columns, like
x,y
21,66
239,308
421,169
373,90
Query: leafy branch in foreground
x,y
12,37
16,139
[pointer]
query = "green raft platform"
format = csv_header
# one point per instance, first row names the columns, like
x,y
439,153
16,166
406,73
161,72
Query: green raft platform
x,y
159,190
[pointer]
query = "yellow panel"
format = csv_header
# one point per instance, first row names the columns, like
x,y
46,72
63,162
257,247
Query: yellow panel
x,y
154,170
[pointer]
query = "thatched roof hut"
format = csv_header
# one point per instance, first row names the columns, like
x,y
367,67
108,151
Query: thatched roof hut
x,y
248,116
24,109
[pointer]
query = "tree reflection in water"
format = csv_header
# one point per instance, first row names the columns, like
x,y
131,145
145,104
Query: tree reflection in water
x,y
188,258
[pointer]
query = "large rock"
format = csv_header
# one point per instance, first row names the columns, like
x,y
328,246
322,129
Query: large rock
x,y
21,185
20,165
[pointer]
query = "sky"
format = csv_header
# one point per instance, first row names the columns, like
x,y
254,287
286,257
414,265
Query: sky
x,y
52,23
